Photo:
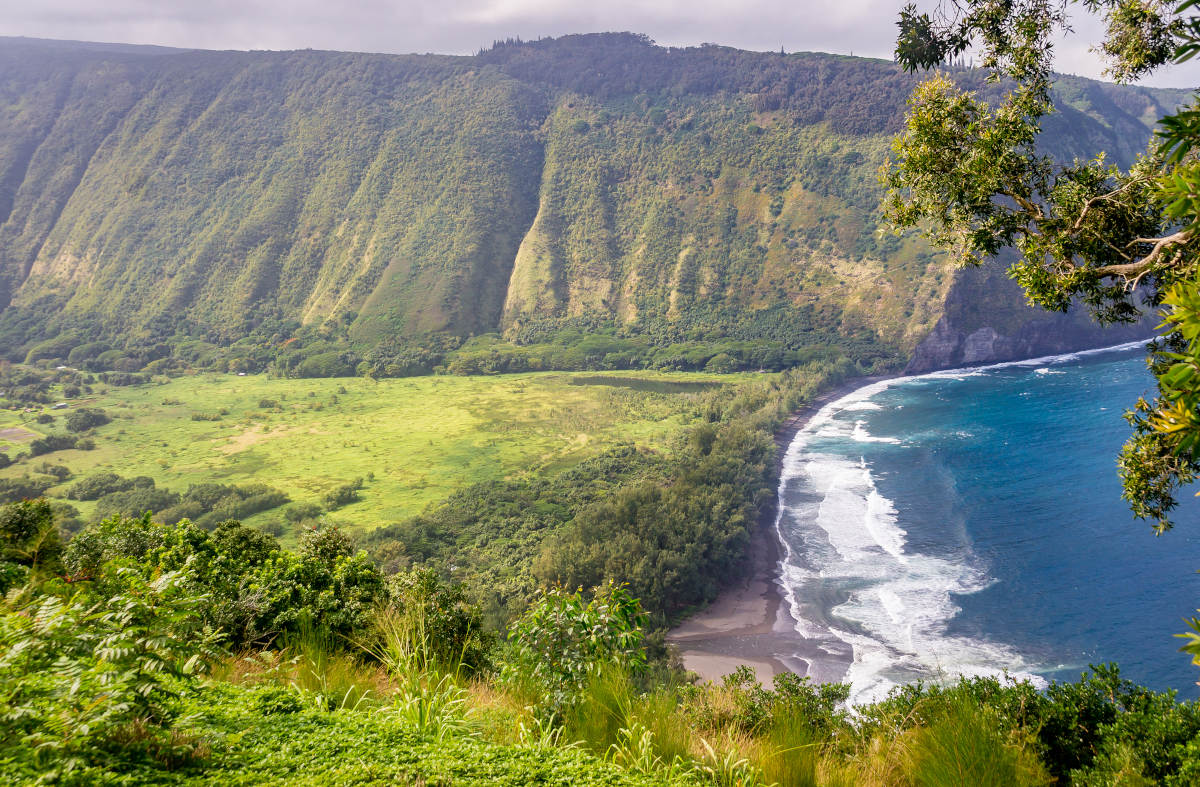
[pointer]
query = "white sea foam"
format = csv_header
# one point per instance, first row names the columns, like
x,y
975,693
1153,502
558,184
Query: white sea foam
x,y
860,398
894,604
863,405
863,436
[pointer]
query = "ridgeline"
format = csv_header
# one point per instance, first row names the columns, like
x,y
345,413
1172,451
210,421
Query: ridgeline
x,y
591,201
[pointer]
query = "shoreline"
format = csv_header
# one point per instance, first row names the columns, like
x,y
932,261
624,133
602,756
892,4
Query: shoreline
x,y
749,622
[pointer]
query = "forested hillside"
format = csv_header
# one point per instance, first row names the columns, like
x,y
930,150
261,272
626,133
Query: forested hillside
x,y
588,201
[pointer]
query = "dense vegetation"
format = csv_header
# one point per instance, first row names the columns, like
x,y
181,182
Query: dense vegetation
x,y
674,527
506,483
329,214
141,653
362,453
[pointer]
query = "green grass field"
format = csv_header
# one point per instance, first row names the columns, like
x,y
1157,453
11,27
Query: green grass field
x,y
414,440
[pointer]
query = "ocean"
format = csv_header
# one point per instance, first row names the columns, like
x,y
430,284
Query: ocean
x,y
971,523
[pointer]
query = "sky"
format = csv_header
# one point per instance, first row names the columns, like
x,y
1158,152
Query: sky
x,y
859,27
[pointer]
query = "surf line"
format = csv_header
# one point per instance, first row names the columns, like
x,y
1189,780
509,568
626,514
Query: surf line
x,y
846,546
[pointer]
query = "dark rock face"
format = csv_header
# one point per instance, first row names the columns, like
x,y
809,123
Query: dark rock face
x,y
987,321
947,347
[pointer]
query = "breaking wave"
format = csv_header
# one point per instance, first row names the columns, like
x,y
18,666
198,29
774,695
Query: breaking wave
x,y
849,571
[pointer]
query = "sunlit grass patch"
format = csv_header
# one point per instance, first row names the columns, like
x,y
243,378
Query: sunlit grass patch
x,y
413,441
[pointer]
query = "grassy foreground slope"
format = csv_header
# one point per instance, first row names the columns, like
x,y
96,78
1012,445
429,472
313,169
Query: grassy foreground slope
x,y
175,655
414,441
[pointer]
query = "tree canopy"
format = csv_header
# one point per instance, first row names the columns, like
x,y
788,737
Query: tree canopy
x,y
976,178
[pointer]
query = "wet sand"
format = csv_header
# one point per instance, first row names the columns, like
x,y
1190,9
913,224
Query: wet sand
x,y
750,623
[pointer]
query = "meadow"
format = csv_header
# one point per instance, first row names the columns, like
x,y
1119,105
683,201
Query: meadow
x,y
412,441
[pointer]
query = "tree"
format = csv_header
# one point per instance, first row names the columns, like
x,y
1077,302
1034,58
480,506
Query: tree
x,y
86,418
562,639
29,542
972,177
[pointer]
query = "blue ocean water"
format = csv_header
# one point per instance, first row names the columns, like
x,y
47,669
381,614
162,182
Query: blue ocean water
x,y
971,522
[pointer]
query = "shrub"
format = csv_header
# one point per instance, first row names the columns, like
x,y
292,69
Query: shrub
x,y
135,502
344,495
83,678
206,416
60,472
97,486
86,418
122,378
298,512
24,488
29,538
561,640
51,443
453,627
328,364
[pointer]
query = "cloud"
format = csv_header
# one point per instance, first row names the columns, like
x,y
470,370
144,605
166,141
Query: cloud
x,y
861,27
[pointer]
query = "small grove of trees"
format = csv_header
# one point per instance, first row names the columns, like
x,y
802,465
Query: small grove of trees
x,y
85,418
205,504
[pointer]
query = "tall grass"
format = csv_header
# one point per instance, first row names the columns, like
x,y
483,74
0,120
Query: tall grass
x,y
789,752
427,694
668,731
331,678
964,744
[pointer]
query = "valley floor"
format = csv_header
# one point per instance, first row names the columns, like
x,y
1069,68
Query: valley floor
x,y
413,441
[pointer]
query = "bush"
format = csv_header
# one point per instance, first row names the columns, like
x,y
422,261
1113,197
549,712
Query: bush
x,y
29,538
51,443
97,486
298,512
344,495
134,502
561,640
83,678
328,364
86,418
453,627
13,490
59,472
123,378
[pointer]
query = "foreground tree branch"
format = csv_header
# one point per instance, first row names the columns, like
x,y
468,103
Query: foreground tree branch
x,y
969,175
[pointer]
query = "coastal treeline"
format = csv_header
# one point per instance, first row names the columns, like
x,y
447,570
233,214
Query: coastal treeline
x,y
675,527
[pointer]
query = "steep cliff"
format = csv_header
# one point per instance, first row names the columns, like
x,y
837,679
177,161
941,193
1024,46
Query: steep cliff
x,y
154,198
985,321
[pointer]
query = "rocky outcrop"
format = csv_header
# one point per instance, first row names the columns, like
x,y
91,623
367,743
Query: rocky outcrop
x,y
987,321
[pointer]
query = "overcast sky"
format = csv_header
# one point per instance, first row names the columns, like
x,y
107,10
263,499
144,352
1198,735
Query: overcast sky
x,y
860,27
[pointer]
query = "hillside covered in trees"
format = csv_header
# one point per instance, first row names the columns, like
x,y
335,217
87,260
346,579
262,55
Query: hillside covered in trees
x,y
585,202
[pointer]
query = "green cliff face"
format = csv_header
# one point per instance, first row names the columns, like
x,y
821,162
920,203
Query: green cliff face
x,y
151,196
